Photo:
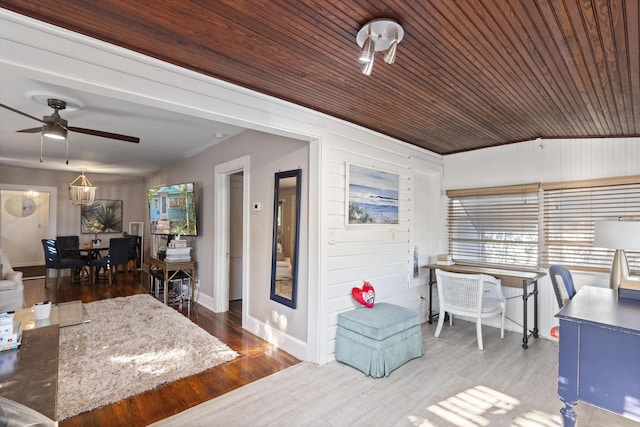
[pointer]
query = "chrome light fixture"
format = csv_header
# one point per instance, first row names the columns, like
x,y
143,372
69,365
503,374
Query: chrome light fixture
x,y
81,192
368,49
379,35
368,67
390,56
621,236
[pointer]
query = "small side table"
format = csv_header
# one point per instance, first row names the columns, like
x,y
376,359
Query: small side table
x,y
170,270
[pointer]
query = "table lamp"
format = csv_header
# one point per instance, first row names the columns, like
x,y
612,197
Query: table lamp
x,y
621,236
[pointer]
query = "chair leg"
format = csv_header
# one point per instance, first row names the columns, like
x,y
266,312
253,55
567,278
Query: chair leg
x,y
110,273
57,279
479,333
504,312
440,323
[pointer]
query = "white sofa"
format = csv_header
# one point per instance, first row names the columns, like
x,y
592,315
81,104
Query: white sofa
x,y
11,287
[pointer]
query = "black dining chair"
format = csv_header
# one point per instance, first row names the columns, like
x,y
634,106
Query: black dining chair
x,y
70,249
53,259
134,242
118,255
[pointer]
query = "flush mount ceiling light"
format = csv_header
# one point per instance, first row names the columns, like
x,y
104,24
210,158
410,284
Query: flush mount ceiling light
x,y
379,35
81,192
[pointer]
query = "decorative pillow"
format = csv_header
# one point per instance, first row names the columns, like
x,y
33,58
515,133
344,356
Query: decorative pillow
x,y
365,296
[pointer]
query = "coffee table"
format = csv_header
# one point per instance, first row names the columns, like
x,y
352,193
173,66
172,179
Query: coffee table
x,y
63,314
29,375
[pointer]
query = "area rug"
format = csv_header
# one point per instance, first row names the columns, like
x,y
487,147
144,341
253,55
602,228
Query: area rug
x,y
131,345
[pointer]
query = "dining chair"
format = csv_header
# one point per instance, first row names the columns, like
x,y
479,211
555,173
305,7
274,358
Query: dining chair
x,y
559,273
133,251
70,249
118,255
53,259
477,296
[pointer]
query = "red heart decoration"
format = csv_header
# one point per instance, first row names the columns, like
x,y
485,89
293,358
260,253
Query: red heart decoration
x,y
365,296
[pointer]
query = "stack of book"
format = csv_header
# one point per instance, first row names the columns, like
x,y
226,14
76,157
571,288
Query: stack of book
x,y
178,251
445,259
10,332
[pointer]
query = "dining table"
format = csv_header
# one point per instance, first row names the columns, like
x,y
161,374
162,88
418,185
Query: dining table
x,y
89,254
93,253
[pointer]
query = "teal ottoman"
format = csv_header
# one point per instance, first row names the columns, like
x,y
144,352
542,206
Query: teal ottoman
x,y
378,340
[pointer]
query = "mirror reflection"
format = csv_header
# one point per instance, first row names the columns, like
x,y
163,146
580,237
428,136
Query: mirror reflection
x,y
286,214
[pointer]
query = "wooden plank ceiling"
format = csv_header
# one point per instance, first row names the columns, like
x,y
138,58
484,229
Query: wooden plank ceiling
x,y
469,73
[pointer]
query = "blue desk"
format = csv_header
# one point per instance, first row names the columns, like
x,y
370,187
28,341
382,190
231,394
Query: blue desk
x,y
599,360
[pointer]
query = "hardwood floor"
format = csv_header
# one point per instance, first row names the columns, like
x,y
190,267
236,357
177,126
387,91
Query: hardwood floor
x,y
257,358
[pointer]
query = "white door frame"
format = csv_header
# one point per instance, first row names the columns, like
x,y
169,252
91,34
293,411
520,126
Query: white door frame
x,y
53,202
221,241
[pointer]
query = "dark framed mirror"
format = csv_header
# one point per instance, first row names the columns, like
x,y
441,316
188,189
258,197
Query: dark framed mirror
x,y
286,236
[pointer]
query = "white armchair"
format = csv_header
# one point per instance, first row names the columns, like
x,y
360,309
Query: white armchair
x,y
11,287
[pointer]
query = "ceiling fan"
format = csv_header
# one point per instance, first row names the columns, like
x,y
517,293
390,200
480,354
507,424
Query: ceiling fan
x,y
56,127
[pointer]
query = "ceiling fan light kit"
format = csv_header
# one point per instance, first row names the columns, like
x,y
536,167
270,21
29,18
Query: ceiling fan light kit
x,y
379,35
55,127
54,131
81,192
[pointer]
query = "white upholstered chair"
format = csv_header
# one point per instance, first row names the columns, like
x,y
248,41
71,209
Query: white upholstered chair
x,y
470,295
11,288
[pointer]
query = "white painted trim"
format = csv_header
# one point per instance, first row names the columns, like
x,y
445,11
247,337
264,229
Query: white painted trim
x,y
53,202
221,242
316,298
276,337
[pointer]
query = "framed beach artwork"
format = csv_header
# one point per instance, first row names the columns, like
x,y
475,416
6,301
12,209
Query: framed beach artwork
x,y
102,216
372,196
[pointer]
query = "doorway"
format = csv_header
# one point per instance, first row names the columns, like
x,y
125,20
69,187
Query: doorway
x,y
27,215
231,177
235,236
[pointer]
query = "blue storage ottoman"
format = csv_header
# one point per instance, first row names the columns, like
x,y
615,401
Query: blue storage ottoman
x,y
378,340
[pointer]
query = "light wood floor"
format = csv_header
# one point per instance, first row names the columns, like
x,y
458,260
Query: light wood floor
x,y
257,358
452,385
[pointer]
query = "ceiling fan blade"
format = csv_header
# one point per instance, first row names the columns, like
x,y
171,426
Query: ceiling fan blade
x,y
21,113
31,130
105,134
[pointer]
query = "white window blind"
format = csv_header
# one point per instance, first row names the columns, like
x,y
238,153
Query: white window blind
x,y
495,226
570,211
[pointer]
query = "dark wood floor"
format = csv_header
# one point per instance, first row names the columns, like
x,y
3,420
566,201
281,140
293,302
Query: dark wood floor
x,y
257,358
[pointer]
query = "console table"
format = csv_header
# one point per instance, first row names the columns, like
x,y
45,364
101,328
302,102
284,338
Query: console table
x,y
509,278
599,348
170,270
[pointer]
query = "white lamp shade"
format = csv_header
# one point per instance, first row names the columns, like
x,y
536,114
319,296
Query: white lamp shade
x,y
617,235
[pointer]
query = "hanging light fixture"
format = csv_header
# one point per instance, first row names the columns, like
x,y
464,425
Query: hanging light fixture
x,y
379,35
81,192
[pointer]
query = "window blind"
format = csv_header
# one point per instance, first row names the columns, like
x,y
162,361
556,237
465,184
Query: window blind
x,y
494,226
569,215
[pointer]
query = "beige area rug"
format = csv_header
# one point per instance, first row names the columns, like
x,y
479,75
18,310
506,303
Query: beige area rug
x,y
131,345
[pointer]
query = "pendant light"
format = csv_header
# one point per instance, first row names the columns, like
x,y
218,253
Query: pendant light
x,y
81,192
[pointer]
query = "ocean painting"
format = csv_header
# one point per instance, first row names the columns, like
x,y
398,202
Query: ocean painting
x,y
372,196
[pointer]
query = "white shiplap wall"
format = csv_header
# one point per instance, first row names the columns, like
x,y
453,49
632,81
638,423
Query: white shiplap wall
x,y
543,161
379,254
